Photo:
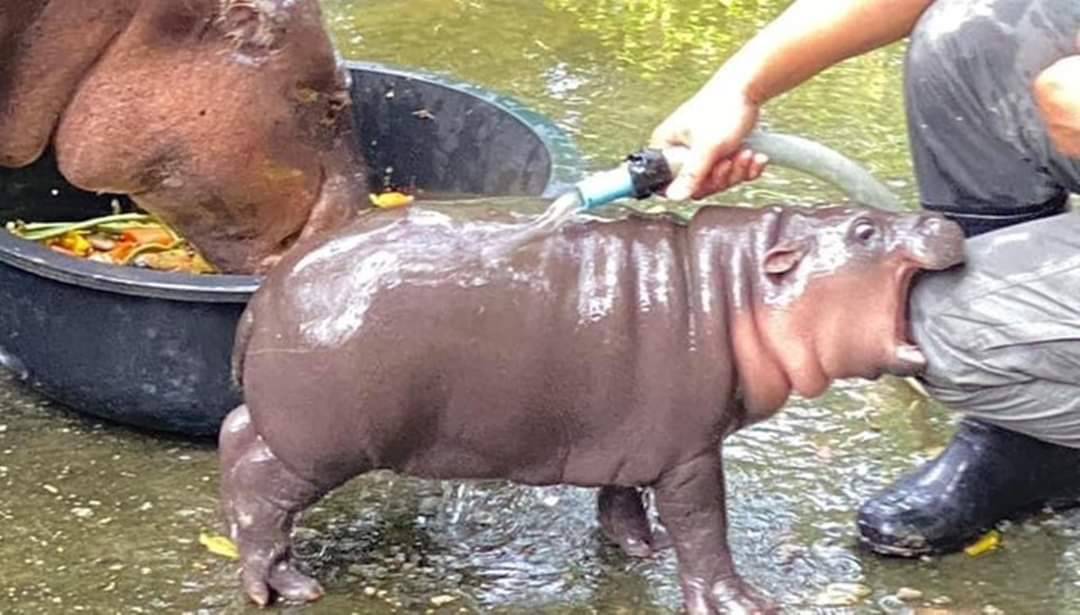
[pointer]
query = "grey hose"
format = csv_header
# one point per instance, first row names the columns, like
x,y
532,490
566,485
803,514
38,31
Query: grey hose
x,y
825,164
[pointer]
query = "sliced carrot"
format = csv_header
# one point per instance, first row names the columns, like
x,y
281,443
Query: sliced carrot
x,y
123,250
148,235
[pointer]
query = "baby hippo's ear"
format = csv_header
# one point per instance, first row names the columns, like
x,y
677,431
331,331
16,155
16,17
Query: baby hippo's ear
x,y
784,256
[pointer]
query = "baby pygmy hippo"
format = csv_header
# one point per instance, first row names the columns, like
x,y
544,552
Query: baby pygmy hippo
x,y
610,354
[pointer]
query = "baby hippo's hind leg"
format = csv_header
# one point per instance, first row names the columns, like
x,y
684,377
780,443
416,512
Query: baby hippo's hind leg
x,y
624,521
261,499
236,435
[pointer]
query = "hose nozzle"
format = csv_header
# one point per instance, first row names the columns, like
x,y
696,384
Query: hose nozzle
x,y
645,173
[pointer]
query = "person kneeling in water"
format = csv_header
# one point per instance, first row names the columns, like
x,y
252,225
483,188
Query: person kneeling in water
x,y
993,104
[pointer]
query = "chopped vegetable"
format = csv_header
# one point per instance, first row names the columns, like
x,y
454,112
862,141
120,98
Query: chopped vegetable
x,y
388,200
989,542
219,545
120,239
148,235
75,243
174,260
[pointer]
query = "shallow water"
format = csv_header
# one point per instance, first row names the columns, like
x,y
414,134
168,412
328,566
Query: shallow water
x,y
102,519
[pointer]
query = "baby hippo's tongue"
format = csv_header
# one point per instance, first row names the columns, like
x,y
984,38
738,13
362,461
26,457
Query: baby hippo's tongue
x,y
909,360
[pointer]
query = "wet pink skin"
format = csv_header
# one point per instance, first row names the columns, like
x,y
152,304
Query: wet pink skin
x,y
229,119
617,355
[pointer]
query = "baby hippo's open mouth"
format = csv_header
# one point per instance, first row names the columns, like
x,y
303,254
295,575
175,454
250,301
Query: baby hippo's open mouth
x,y
908,359
942,247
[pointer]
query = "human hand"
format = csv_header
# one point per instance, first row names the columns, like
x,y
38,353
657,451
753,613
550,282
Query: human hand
x,y
1057,93
713,127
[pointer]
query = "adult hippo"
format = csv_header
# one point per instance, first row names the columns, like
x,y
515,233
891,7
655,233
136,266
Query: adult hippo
x,y
608,354
225,118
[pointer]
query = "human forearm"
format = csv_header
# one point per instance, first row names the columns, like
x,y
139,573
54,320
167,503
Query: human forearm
x,y
810,36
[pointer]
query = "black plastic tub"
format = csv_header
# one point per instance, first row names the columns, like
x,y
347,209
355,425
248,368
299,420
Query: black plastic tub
x,y
152,349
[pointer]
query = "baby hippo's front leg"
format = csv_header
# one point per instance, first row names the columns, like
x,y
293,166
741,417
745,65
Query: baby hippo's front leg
x,y
690,500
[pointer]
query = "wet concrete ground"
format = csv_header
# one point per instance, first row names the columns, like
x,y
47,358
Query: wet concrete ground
x,y
96,518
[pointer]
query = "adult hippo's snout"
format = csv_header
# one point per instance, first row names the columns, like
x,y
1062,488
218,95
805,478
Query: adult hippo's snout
x,y
227,119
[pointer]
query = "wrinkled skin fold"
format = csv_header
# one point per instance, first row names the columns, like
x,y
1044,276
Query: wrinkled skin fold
x,y
228,119
611,354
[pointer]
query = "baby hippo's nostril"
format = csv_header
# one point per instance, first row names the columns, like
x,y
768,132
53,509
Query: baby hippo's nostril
x,y
930,225
937,243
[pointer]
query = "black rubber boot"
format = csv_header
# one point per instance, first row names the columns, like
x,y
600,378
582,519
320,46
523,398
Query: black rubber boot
x,y
985,475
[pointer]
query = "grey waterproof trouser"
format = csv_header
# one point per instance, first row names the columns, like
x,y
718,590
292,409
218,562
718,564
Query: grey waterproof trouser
x,y
1002,334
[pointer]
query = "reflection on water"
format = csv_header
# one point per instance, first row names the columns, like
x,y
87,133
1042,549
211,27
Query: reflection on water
x,y
608,72
101,519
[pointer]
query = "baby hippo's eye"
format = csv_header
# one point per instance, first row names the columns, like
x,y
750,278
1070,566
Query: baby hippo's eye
x,y
864,231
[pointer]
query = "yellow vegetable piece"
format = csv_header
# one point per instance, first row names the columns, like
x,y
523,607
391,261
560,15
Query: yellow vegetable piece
x,y
391,199
201,265
219,545
990,542
76,243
